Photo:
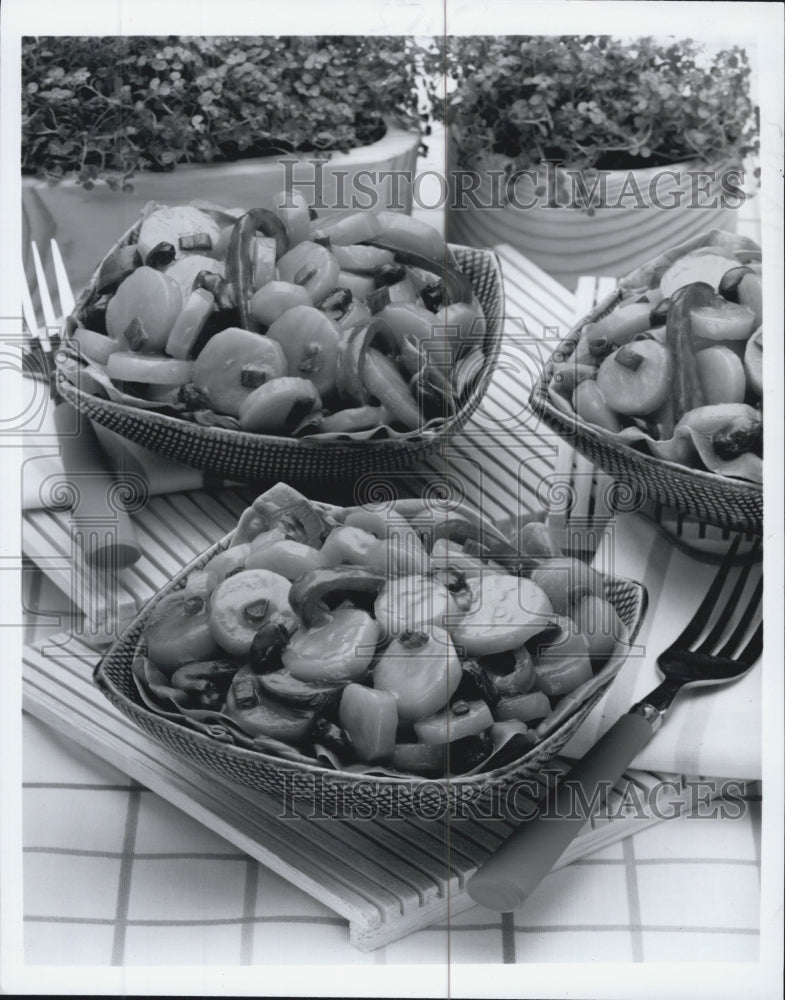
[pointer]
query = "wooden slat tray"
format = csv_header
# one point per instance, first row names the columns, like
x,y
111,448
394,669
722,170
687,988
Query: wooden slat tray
x,y
171,529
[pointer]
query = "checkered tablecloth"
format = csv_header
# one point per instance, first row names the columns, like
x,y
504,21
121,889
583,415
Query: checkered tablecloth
x,y
114,875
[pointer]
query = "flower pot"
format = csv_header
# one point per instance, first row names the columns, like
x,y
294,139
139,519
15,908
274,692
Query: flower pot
x,y
85,223
638,214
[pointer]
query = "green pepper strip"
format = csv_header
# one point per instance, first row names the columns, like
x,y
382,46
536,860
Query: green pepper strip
x,y
687,389
351,358
457,286
307,594
239,256
360,418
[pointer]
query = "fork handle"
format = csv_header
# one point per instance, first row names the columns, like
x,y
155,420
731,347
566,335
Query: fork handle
x,y
512,873
107,535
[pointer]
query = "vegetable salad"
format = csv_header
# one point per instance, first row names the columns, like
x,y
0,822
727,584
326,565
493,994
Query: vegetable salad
x,y
398,640
276,321
677,365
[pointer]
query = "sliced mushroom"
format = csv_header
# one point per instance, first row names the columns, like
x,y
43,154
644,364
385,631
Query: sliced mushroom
x,y
205,682
241,603
519,680
258,715
284,685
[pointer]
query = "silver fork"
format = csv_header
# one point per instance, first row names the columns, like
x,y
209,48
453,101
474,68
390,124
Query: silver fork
x,y
44,338
717,646
102,530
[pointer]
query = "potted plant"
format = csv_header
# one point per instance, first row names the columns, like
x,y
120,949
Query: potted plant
x,y
592,154
109,123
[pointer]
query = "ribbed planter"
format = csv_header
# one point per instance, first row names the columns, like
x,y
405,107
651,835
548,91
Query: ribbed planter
x,y
614,238
85,223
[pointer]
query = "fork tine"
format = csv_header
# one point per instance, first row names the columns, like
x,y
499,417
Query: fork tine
x,y
64,292
738,633
50,320
726,613
751,653
28,311
701,616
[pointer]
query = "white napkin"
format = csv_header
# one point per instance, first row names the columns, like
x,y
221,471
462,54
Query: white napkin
x,y
43,465
708,731
160,473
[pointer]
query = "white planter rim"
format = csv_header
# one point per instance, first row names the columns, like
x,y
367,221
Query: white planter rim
x,y
394,143
568,241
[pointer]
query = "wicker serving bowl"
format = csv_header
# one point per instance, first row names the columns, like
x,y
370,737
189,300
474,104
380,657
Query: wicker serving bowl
x,y
732,504
348,790
247,457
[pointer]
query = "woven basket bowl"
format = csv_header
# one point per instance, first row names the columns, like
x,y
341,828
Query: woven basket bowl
x,y
246,457
339,790
728,503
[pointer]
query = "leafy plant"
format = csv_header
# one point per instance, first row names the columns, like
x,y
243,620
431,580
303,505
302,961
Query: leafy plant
x,y
591,101
109,107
